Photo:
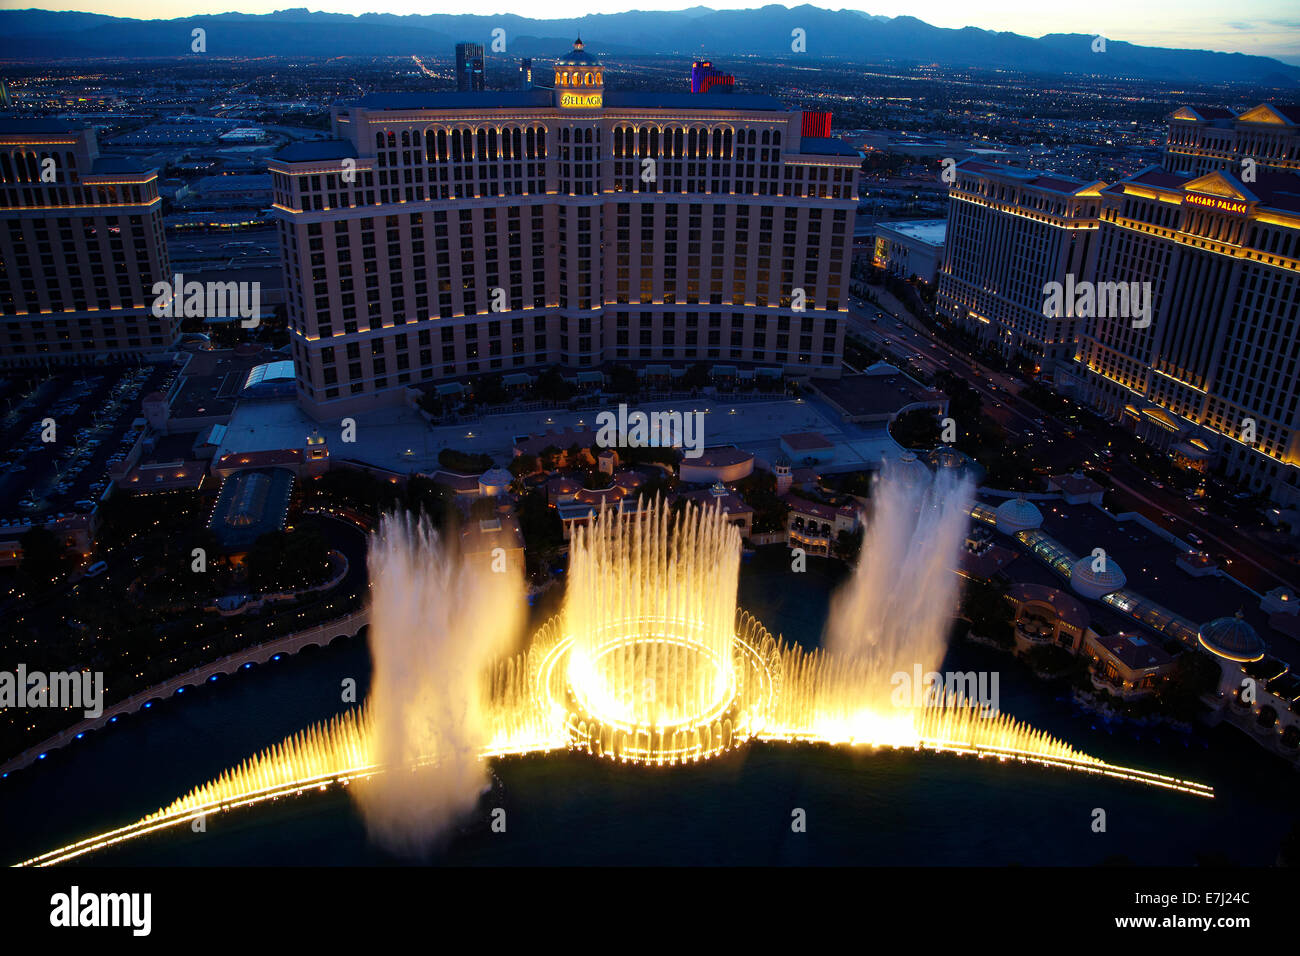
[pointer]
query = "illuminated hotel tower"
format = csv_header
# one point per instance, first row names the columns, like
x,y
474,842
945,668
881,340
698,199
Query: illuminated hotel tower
x,y
1215,377
1204,139
450,235
81,245
1010,232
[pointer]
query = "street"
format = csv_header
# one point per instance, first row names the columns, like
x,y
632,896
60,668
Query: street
x,y
1251,562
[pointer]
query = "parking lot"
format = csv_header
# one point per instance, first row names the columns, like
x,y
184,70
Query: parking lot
x,y
92,411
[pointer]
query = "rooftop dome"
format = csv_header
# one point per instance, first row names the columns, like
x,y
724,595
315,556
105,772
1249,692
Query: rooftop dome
x,y
495,478
1232,638
577,56
1094,584
1018,514
910,468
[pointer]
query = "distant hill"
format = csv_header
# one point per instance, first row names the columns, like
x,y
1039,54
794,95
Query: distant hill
x,y
766,31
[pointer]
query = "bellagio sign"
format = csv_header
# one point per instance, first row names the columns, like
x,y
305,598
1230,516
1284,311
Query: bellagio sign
x,y
581,101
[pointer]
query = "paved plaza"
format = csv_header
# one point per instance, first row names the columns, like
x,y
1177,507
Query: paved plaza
x,y
400,440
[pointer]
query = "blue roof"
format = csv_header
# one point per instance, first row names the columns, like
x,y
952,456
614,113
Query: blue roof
x,y
693,101
448,100
117,164
39,126
577,58
317,151
543,98
826,146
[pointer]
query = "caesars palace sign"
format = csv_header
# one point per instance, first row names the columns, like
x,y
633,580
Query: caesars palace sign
x,y
1235,206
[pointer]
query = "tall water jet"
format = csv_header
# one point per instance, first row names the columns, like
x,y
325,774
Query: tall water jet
x,y
896,609
650,611
438,623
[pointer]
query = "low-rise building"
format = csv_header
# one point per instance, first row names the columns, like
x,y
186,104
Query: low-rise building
x,y
1047,616
911,249
1127,665
809,448
723,463
731,504
816,527
495,543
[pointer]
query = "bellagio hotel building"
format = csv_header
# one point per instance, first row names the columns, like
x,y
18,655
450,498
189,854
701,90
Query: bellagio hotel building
x,y
448,235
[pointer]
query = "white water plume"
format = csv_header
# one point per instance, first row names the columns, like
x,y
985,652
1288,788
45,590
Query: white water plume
x,y
438,623
896,608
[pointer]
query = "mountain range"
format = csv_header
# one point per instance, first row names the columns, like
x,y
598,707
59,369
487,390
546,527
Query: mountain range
x,y
847,35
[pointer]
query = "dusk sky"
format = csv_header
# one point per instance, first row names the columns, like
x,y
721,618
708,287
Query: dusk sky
x,y
1268,27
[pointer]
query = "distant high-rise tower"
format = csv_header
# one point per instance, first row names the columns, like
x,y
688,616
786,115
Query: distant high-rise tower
x,y
526,73
4,95
704,78
469,67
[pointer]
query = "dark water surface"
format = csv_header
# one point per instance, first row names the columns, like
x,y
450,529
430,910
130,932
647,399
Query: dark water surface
x,y
862,807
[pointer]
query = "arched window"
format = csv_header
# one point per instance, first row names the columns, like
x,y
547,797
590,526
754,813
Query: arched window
x,y
406,137
586,79
379,141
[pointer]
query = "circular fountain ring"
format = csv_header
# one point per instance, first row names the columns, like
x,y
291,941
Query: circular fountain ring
x,y
620,726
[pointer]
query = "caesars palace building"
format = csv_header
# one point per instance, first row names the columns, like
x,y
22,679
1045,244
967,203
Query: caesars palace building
x,y
443,235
